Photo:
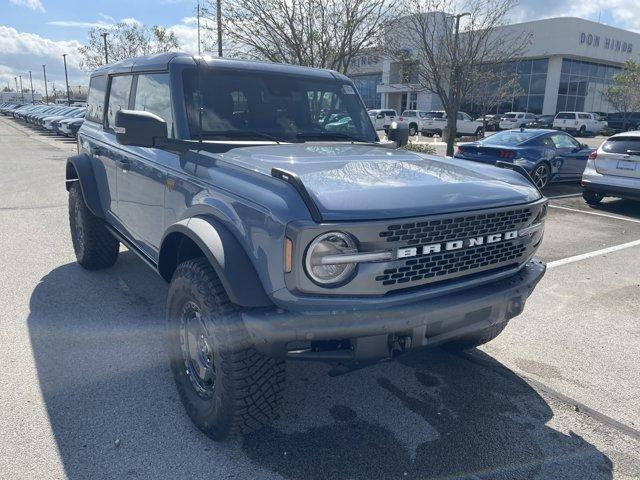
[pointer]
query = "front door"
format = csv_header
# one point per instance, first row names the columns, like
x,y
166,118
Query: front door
x,y
572,158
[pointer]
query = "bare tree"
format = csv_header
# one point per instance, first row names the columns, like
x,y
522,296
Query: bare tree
x,y
316,33
125,40
624,93
491,87
450,41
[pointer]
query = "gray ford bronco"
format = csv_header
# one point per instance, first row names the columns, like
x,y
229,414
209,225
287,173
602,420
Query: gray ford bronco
x,y
286,229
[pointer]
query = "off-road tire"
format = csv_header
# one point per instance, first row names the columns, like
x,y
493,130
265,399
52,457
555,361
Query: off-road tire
x,y
248,385
592,198
93,244
480,338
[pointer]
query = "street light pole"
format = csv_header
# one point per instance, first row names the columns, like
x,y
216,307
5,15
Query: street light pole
x,y
31,82
16,80
219,21
198,28
453,83
66,78
21,90
46,92
106,51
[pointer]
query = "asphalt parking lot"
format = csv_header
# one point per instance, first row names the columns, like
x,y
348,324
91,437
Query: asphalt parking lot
x,y
86,392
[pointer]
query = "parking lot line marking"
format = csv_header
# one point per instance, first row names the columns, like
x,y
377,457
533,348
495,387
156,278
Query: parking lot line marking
x,y
595,253
596,213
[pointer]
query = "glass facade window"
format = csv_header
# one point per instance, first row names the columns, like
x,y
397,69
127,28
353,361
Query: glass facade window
x,y
582,84
529,95
367,87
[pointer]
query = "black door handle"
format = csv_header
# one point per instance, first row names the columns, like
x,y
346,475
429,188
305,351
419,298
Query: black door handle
x,y
125,165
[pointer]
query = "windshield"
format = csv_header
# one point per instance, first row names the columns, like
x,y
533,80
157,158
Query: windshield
x,y
244,104
435,114
509,115
409,113
509,137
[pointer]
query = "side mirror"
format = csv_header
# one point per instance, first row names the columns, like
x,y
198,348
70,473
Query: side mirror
x,y
139,129
398,133
583,146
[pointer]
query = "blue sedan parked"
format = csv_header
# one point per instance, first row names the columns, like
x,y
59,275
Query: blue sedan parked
x,y
548,155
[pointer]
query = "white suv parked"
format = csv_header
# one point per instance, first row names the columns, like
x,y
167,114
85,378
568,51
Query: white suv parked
x,y
381,118
436,121
416,120
614,169
579,123
515,120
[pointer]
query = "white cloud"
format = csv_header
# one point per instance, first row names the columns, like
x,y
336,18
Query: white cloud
x,y
32,4
22,51
619,13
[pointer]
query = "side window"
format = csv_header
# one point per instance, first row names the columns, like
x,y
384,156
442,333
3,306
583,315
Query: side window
x,y
561,140
465,116
154,95
547,142
459,116
95,99
118,97
584,116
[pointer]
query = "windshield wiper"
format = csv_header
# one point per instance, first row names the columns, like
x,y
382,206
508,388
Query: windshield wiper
x,y
244,134
335,135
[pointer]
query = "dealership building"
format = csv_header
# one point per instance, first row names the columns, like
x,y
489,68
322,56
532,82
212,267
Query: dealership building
x,y
566,66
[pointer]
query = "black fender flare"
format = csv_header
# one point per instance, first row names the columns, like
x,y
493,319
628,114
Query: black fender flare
x,y
227,257
79,169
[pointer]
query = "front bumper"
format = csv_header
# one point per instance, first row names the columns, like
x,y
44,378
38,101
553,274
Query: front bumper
x,y
376,334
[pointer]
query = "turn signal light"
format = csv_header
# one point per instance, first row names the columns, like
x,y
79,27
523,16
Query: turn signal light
x,y
288,255
593,155
460,150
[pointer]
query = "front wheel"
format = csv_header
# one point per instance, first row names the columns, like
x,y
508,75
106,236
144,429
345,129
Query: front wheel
x,y
592,198
413,130
541,175
226,386
478,132
94,246
582,131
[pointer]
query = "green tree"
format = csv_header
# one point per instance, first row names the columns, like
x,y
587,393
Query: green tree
x,y
125,40
624,93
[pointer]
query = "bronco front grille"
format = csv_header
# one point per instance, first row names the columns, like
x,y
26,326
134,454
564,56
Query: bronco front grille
x,y
441,266
446,229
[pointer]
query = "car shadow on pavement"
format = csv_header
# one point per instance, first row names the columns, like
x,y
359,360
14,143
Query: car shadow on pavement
x,y
98,340
619,206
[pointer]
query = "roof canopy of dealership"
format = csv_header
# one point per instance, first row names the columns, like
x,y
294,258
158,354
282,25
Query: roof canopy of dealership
x,y
566,66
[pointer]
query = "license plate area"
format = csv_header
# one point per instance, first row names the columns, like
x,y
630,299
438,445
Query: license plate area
x,y
627,165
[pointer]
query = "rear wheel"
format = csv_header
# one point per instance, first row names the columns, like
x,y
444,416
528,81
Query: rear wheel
x,y
582,131
478,132
477,339
592,198
541,175
226,386
94,246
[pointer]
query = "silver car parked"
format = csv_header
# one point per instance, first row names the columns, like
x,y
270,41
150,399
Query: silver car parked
x,y
614,169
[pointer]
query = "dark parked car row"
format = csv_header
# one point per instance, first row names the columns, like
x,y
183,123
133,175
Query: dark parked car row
x,y
60,119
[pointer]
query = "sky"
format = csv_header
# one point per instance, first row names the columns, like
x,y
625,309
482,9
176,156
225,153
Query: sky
x,y
37,32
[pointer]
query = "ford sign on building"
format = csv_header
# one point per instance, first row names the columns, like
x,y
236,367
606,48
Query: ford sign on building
x,y
566,66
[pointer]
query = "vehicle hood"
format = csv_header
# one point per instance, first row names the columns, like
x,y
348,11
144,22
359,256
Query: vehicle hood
x,y
362,182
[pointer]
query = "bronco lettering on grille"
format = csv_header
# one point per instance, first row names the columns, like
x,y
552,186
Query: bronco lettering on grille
x,y
408,252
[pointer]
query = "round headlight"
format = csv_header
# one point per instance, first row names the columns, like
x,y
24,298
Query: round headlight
x,y
320,268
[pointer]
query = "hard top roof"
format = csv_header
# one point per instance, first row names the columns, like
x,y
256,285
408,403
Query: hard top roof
x,y
161,61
